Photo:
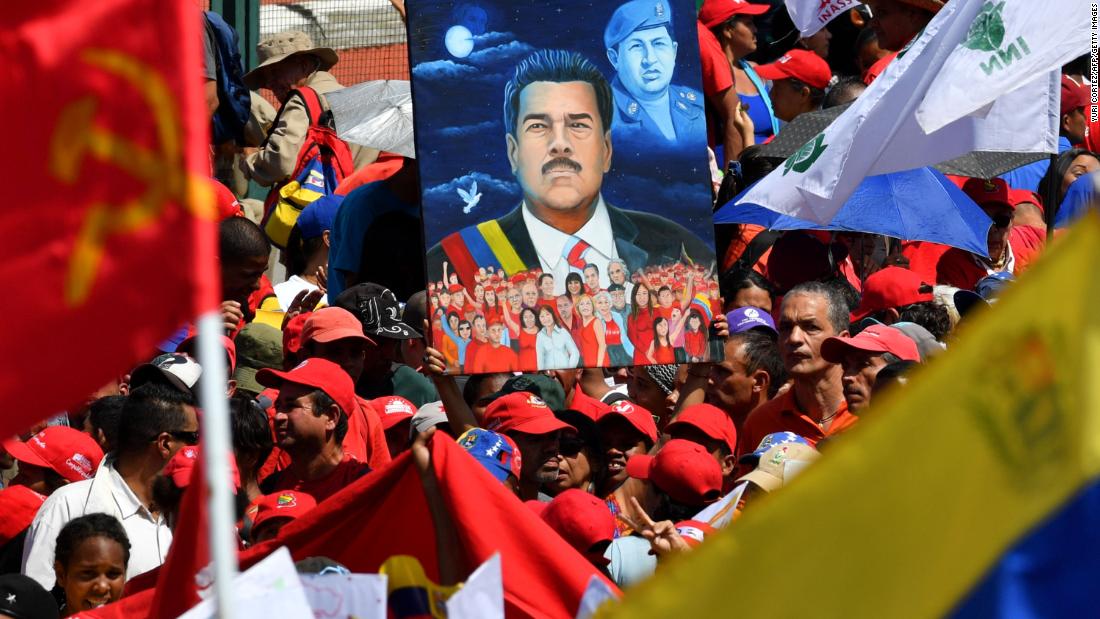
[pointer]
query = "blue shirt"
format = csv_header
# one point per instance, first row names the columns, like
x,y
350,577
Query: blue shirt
x,y
356,213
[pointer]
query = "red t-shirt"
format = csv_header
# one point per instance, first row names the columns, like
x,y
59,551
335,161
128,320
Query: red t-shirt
x,y
493,359
344,474
366,440
717,75
877,68
695,343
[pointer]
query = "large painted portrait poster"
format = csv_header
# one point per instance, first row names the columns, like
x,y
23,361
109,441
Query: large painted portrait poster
x,y
565,182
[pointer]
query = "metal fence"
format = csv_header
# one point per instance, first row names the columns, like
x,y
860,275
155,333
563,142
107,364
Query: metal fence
x,y
369,35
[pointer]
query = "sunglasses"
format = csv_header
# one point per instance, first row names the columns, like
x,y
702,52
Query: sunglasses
x,y
1001,221
570,446
187,438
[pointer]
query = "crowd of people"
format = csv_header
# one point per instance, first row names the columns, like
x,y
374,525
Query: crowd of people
x,y
646,400
526,322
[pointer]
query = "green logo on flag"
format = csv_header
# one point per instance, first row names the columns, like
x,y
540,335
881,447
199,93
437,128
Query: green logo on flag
x,y
987,34
988,30
806,156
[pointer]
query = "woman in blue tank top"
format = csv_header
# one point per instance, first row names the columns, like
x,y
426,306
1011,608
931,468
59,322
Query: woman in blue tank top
x,y
738,38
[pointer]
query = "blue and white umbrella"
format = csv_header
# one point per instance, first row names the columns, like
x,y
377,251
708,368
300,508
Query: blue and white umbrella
x,y
915,205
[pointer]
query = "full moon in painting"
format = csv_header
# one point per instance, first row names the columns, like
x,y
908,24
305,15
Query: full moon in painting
x,y
459,41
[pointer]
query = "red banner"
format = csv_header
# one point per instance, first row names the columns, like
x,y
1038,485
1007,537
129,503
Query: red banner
x,y
109,225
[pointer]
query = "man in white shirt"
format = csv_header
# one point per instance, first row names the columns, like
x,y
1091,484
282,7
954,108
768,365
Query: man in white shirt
x,y
557,118
156,422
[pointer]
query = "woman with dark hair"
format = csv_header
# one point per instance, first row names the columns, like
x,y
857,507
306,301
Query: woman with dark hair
x,y
90,562
574,286
660,347
1068,167
554,345
252,443
528,334
492,310
639,325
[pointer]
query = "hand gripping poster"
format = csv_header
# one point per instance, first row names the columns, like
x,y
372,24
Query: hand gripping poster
x,y
565,182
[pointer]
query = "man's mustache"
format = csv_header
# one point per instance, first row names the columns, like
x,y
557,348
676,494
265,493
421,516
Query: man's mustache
x,y
560,162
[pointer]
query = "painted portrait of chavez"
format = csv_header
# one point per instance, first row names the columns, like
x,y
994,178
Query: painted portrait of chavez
x,y
583,237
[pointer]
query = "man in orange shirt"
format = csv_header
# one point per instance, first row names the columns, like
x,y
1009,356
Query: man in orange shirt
x,y
813,406
335,334
494,357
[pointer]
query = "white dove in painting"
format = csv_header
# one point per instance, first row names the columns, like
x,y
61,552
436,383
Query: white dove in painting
x,y
471,197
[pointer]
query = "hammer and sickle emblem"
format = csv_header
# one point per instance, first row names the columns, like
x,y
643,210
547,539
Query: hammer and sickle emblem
x,y
162,172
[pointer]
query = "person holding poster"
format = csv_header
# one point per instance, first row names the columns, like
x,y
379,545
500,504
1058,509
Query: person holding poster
x,y
582,204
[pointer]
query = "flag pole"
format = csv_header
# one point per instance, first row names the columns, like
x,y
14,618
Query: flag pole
x,y
216,447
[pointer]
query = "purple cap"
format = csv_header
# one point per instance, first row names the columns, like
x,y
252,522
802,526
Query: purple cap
x,y
744,318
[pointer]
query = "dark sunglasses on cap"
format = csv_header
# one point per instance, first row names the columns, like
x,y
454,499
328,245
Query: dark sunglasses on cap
x,y
1001,221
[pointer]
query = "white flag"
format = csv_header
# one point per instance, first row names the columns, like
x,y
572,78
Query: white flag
x,y
1009,44
879,133
482,595
809,16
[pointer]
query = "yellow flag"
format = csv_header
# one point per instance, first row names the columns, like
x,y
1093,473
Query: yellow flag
x,y
906,512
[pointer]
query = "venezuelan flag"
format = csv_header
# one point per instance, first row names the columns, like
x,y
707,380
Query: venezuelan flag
x,y
972,492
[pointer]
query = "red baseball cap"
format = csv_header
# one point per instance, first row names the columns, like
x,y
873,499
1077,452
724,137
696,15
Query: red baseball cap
x,y
190,347
709,420
681,469
640,418
453,288
803,65
583,521
714,12
587,405
1074,96
292,334
317,373
392,410
290,504
991,191
180,467
875,338
329,324
19,504
227,203
890,287
1021,196
522,412
68,452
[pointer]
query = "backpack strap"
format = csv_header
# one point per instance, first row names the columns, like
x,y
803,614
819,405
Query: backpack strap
x,y
312,100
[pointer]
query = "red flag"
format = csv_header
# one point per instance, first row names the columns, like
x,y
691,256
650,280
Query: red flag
x,y
188,558
109,226
385,514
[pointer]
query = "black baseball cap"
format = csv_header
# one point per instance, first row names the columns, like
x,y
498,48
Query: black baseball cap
x,y
21,597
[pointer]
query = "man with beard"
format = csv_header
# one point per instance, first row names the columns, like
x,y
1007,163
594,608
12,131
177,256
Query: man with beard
x,y
529,422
